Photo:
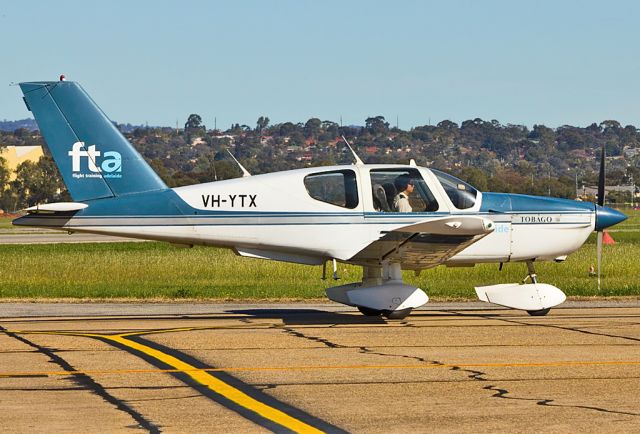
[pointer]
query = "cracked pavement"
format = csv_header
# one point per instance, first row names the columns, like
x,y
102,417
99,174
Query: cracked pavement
x,y
255,368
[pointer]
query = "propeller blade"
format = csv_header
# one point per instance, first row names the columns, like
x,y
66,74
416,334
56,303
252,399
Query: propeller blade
x,y
601,179
599,254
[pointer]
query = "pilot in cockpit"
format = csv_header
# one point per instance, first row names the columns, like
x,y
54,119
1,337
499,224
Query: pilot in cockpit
x,y
404,187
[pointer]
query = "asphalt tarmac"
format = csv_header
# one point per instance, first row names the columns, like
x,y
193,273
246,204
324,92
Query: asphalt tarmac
x,y
310,368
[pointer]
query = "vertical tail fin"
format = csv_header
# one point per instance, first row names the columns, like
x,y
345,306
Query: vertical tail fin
x,y
94,158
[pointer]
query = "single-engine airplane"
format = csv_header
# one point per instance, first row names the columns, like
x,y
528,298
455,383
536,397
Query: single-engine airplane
x,y
385,218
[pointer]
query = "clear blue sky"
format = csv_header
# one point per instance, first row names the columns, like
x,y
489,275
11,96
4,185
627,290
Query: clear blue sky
x,y
550,62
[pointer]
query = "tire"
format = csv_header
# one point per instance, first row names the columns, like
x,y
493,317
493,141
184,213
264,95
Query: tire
x,y
397,314
366,311
541,312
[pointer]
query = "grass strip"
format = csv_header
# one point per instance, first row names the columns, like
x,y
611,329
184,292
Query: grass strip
x,y
157,271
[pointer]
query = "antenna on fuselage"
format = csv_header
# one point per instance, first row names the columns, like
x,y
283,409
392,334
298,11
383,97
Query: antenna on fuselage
x,y
358,160
245,172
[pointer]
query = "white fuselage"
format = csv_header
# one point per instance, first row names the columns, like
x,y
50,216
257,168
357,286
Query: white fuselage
x,y
273,216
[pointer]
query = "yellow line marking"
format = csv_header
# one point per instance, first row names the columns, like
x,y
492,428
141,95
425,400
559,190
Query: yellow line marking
x,y
202,376
326,367
199,375
219,387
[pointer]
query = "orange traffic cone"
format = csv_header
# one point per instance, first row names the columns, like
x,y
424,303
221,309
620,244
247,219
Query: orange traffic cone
x,y
607,239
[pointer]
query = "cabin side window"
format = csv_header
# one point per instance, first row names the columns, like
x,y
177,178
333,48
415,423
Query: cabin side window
x,y
338,188
401,190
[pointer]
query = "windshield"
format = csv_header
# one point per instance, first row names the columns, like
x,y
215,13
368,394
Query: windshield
x,y
462,195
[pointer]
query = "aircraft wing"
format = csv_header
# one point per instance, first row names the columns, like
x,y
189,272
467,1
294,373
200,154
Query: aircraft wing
x,y
425,244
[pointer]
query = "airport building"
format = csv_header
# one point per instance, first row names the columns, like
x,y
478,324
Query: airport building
x,y
14,155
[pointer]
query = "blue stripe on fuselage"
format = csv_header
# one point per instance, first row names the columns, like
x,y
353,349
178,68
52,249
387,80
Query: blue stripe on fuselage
x,y
515,203
167,204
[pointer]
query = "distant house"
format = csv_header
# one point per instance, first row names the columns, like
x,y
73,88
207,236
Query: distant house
x,y
19,154
631,152
580,153
464,150
198,141
334,143
306,157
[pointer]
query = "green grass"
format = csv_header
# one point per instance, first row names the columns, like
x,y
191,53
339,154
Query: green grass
x,y
5,222
149,270
157,270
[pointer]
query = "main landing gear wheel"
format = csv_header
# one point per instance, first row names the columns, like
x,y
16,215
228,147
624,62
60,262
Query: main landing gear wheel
x,y
397,314
541,312
369,312
381,293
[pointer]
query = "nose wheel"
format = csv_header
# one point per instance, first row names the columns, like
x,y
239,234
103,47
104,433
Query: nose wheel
x,y
535,298
541,312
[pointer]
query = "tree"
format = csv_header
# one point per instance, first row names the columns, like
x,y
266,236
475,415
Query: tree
x,y
474,176
5,195
286,128
37,183
194,122
312,127
262,123
194,127
22,133
377,125
448,125
26,181
161,171
4,174
610,125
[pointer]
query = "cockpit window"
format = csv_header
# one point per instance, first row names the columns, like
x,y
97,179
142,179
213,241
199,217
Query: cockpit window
x,y
401,190
462,195
337,188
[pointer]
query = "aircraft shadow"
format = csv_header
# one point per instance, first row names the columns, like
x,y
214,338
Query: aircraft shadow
x,y
309,316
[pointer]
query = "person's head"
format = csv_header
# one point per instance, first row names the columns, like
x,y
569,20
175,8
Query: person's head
x,y
404,183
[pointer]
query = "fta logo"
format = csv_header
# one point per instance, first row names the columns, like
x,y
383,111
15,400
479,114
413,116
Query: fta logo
x,y
100,165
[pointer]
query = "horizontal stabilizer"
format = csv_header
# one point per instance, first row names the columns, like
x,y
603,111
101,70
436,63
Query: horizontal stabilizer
x,y
532,296
57,207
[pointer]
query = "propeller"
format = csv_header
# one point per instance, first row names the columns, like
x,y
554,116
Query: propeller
x,y
601,180
605,216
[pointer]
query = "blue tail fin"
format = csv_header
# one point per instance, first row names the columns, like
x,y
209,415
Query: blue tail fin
x,y
94,159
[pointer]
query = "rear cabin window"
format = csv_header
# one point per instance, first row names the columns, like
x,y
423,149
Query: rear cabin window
x,y
338,188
